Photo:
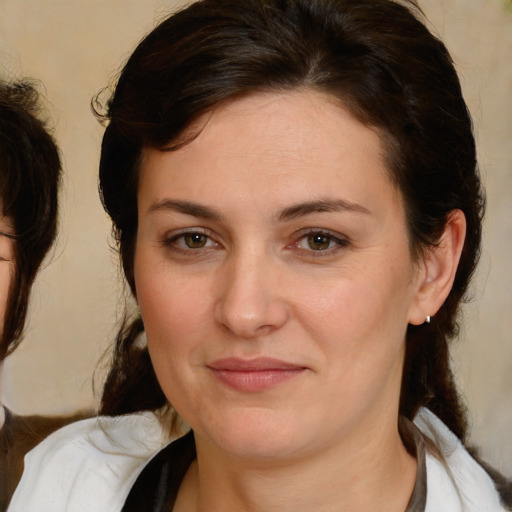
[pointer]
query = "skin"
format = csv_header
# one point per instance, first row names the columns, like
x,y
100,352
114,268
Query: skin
x,y
278,233
6,264
6,273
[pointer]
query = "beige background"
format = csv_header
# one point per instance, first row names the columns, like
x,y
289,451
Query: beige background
x,y
76,46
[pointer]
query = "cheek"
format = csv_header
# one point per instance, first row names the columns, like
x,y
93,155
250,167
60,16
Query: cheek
x,y
167,322
175,313
171,310
357,306
360,333
359,324
178,324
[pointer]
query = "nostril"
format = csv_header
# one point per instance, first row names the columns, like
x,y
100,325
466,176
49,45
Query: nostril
x,y
249,318
249,303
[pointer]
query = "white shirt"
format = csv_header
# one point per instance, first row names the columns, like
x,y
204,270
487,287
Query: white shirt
x,y
91,465
88,466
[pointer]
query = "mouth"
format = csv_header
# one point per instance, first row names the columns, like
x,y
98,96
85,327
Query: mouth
x,y
254,375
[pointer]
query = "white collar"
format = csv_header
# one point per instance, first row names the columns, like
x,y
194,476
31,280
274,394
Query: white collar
x,y
455,481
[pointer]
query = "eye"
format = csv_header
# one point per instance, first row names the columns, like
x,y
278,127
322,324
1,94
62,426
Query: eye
x,y
195,240
320,241
189,241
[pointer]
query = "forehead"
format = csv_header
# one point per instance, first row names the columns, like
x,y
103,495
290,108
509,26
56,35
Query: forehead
x,y
303,118
294,143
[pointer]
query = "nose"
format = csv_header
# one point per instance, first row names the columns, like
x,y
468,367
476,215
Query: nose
x,y
251,301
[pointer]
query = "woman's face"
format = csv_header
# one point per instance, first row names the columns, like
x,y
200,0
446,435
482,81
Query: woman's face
x,y
6,265
274,277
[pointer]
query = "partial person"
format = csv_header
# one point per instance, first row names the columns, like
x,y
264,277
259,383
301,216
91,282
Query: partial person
x,y
294,189
30,171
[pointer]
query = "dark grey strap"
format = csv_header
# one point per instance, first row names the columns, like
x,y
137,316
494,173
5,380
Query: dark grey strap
x,y
156,488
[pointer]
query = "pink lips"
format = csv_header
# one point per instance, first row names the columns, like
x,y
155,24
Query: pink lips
x,y
255,374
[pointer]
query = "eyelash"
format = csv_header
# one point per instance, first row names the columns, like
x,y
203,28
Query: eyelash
x,y
336,241
171,242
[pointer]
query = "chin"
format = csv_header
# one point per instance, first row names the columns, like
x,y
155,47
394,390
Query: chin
x,y
252,434
256,446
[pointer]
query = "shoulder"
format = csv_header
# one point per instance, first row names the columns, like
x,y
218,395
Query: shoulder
x,y
88,465
27,431
18,436
455,481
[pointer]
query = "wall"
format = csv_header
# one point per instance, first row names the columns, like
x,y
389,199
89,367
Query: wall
x,y
76,47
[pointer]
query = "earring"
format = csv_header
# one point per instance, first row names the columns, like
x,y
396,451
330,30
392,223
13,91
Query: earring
x,y
427,320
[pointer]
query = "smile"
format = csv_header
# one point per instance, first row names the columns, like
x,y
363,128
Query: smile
x,y
254,375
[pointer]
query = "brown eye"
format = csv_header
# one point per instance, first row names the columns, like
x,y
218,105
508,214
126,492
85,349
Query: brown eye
x,y
195,240
318,241
190,242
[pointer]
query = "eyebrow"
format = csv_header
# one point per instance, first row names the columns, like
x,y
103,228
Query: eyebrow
x,y
187,208
320,206
289,213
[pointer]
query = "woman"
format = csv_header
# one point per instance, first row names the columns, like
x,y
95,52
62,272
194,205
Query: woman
x,y
29,182
29,178
294,190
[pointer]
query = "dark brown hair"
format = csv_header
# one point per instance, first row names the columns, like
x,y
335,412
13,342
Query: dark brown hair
x,y
29,180
375,56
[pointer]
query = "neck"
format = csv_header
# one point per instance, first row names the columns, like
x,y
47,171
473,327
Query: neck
x,y
378,474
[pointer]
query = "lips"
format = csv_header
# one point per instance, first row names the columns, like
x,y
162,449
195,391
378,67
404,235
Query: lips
x,y
254,375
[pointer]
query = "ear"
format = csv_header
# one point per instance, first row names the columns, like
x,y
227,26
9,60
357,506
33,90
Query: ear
x,y
437,270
